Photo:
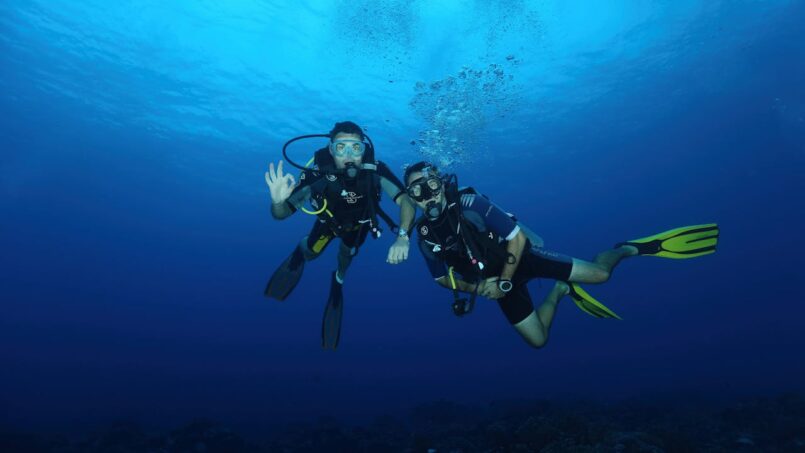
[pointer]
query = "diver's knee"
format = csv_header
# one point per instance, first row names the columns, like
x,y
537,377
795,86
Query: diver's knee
x,y
587,272
602,275
346,251
532,331
307,253
537,342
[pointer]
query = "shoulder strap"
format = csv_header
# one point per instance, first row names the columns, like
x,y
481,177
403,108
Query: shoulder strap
x,y
373,206
459,223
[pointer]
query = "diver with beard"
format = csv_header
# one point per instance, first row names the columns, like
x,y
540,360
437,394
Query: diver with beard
x,y
343,186
462,232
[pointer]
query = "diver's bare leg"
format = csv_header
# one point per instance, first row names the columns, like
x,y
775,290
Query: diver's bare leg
x,y
535,327
547,310
601,268
610,258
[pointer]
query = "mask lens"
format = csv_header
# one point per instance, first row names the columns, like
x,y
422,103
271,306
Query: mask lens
x,y
422,190
415,191
341,148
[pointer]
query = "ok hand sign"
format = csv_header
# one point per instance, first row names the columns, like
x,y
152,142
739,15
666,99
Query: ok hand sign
x,y
281,185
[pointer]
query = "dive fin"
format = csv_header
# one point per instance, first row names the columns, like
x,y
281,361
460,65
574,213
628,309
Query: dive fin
x,y
679,243
589,304
331,323
286,276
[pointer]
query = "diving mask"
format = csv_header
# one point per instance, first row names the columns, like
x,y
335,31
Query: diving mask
x,y
425,188
341,148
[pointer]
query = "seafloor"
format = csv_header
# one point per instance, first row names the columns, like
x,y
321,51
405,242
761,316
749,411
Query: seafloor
x,y
750,425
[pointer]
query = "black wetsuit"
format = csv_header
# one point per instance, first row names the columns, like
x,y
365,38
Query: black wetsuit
x,y
351,204
487,229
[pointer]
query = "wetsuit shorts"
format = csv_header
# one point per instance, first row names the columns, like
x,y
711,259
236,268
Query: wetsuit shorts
x,y
321,235
537,263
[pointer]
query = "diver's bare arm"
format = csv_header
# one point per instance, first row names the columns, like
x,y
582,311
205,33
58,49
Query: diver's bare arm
x,y
407,212
398,252
515,247
407,207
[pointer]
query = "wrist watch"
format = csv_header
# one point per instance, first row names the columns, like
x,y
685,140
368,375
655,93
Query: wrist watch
x,y
505,285
402,234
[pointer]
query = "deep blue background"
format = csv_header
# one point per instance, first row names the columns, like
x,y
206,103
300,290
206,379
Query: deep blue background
x,y
136,240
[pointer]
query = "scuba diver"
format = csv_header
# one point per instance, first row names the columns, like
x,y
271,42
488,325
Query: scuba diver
x,y
343,186
463,232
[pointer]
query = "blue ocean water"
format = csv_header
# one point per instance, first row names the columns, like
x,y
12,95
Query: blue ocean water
x,y
136,236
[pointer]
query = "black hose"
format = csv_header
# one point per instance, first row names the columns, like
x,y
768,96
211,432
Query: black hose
x,y
288,159
285,148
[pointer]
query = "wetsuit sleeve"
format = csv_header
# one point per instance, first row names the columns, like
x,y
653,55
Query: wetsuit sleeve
x,y
495,219
389,182
436,267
